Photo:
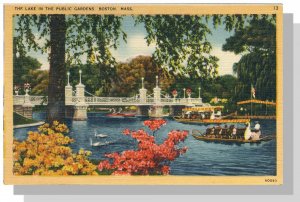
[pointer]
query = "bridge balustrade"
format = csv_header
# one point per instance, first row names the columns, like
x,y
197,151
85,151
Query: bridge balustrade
x,y
35,100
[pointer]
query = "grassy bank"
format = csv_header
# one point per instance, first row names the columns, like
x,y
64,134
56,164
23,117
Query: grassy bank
x,y
19,120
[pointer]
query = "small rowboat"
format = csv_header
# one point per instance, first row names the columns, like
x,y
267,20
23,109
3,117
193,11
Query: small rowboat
x,y
183,120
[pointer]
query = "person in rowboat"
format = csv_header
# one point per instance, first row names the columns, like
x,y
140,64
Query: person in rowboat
x,y
225,132
257,127
256,133
219,131
212,132
234,133
230,131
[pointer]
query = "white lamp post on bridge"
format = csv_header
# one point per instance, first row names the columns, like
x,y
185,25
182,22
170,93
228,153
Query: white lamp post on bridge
x,y
80,76
68,78
157,92
80,108
68,92
143,93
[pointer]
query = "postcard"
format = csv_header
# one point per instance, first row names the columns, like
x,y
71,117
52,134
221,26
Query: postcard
x,y
131,94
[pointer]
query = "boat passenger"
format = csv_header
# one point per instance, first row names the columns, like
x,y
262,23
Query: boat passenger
x,y
257,126
230,131
256,133
241,133
207,133
212,116
234,133
255,136
218,131
212,132
225,132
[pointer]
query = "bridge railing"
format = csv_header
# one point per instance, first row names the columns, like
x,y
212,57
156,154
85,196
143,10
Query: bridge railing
x,y
167,100
42,100
194,100
38,100
181,100
18,99
95,100
35,100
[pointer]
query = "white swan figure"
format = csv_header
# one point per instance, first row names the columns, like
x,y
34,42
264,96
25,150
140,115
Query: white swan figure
x,y
95,144
100,135
99,144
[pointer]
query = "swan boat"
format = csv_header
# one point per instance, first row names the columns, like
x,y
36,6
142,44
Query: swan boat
x,y
240,138
205,114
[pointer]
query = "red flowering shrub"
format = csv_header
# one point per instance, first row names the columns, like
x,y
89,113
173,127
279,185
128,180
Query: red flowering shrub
x,y
150,158
155,124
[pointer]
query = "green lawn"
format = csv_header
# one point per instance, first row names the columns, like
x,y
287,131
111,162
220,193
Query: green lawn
x,y
19,120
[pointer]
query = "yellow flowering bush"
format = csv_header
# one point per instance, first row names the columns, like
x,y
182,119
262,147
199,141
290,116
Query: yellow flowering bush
x,y
46,152
56,127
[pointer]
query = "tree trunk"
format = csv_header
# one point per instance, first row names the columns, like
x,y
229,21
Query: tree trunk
x,y
57,73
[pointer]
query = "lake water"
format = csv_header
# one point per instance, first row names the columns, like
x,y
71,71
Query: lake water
x,y
202,158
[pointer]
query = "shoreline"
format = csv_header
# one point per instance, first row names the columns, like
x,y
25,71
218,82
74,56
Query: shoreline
x,y
28,125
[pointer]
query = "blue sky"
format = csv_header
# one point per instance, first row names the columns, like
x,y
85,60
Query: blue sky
x,y
136,45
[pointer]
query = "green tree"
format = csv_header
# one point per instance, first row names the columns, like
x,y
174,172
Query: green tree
x,y
181,42
67,38
221,87
97,78
128,81
182,45
22,64
257,66
39,80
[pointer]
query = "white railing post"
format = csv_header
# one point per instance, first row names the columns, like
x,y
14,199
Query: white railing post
x,y
189,101
27,101
27,105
